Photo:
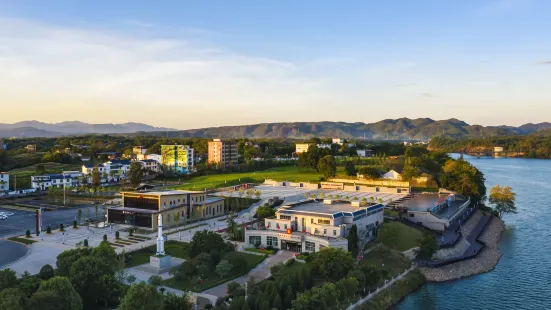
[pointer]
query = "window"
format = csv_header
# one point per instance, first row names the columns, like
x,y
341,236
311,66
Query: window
x,y
325,231
311,221
411,215
310,246
254,240
285,226
284,217
272,241
334,232
326,222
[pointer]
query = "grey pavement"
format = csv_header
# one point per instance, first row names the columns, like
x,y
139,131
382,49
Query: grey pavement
x,y
11,251
40,255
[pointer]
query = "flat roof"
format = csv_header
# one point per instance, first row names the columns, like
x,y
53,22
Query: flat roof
x,y
422,202
164,193
320,207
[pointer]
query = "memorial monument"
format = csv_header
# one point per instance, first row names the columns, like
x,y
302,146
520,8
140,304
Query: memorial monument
x,y
160,260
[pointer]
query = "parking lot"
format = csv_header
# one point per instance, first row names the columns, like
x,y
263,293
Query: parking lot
x,y
20,221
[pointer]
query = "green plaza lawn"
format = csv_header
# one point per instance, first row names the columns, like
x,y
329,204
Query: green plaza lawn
x,y
406,237
287,173
383,258
212,279
172,248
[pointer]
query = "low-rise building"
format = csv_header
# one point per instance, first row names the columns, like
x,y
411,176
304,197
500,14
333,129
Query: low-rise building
x,y
31,148
364,153
137,150
302,147
177,207
110,171
66,178
324,145
310,225
4,182
435,211
392,175
151,165
158,158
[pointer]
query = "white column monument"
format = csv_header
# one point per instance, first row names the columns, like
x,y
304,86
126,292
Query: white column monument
x,y
160,260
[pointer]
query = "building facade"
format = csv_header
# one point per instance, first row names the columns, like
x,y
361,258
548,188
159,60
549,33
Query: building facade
x,y
67,179
435,211
177,207
302,147
222,152
364,153
150,165
31,148
177,158
137,150
110,171
4,181
311,225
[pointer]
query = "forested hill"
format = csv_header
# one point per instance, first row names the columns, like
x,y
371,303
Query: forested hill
x,y
389,129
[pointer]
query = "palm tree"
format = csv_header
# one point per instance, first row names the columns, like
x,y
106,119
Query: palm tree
x,y
346,197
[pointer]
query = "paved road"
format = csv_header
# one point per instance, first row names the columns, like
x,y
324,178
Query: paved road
x,y
20,221
11,251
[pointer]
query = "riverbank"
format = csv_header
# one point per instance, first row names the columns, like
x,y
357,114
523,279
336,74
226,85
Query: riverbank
x,y
484,262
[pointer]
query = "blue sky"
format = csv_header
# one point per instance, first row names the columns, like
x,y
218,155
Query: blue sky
x,y
190,64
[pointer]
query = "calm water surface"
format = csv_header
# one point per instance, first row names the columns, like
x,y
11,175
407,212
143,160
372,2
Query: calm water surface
x,y
522,279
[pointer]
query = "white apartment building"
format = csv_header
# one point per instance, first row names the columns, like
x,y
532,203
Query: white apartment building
x,y
364,153
67,178
151,165
110,171
4,181
302,147
158,158
311,225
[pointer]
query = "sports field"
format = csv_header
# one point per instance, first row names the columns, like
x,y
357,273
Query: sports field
x,y
289,173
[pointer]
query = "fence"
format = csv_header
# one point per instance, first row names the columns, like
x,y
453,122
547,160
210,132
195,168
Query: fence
x,y
392,183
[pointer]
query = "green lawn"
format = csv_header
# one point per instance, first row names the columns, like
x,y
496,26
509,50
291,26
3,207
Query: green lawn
x,y
172,248
393,213
385,259
26,241
24,174
212,279
287,173
406,237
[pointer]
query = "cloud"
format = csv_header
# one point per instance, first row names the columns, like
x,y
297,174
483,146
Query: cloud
x,y
50,65
428,95
545,62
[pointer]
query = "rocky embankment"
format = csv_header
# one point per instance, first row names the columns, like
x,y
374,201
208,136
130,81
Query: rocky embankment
x,y
484,262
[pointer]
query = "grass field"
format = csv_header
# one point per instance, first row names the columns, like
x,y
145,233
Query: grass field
x,y
22,240
288,173
212,279
406,237
172,248
391,261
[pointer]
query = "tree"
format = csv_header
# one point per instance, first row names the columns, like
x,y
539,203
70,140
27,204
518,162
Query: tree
x,y
277,303
265,211
13,299
410,172
135,174
96,177
223,268
46,272
204,242
8,279
28,284
332,263
117,235
353,240
66,296
460,176
155,280
427,247
47,300
349,168
257,194
327,166
141,296
370,172
311,158
175,302
503,199
233,287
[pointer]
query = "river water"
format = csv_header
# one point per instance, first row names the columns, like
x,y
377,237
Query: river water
x,y
522,279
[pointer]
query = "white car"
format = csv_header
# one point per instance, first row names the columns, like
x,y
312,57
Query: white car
x,y
3,217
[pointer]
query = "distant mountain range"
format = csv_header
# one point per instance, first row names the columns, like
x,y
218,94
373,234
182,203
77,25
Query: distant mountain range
x,y
39,129
389,129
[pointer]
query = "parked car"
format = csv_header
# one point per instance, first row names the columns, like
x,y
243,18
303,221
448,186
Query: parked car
x,y
3,217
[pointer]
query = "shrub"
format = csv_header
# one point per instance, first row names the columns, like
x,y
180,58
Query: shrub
x,y
60,227
131,232
48,230
46,272
74,224
105,238
86,242
117,235
289,262
28,233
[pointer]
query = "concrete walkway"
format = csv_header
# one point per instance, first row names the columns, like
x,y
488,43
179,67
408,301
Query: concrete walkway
x,y
40,255
380,289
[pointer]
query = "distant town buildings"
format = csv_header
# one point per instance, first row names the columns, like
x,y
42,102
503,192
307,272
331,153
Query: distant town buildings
x,y
151,165
158,158
302,147
392,175
110,171
67,178
176,158
364,153
4,182
137,150
31,148
222,152
3,146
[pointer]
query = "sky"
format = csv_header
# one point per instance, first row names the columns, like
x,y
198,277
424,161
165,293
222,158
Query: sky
x,y
193,64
